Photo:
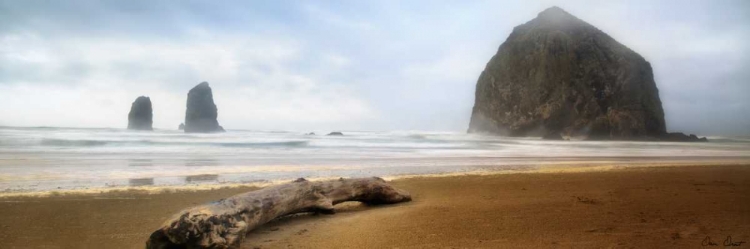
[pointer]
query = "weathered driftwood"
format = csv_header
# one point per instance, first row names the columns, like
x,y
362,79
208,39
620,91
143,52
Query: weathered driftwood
x,y
224,223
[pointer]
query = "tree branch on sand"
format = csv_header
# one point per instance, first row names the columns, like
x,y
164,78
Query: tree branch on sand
x,y
224,223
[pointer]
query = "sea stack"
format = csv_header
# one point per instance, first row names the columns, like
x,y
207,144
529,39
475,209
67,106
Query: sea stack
x,y
141,114
201,113
557,74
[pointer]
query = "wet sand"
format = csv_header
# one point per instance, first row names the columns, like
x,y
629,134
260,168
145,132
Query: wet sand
x,y
644,207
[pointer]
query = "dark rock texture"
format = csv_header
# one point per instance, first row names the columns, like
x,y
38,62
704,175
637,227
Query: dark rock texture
x,y
552,136
201,113
681,137
557,74
141,115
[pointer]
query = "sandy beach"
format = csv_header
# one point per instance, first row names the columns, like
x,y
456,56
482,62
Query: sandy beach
x,y
640,207
374,124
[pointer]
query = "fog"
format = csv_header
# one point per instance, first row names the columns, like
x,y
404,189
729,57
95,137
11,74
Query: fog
x,y
349,65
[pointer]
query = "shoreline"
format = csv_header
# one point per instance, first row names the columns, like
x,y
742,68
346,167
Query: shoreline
x,y
590,164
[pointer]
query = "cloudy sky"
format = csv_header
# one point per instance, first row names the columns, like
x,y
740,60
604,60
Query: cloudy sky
x,y
339,65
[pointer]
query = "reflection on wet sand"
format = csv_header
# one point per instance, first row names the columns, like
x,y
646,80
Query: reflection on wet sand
x,y
135,182
201,178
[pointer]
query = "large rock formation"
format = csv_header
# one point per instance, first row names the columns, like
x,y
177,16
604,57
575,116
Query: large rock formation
x,y
559,74
141,115
201,113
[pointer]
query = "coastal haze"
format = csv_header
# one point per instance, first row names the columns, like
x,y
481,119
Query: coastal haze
x,y
44,159
403,102
481,124
299,66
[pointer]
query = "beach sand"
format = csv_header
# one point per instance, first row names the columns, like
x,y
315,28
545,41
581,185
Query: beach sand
x,y
642,207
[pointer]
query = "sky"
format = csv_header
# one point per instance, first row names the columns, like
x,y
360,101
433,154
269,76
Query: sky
x,y
339,65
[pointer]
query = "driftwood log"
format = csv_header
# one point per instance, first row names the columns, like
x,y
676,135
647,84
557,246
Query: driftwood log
x,y
224,223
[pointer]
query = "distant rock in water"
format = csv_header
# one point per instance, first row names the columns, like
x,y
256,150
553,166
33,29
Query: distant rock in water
x,y
310,134
335,133
181,126
201,113
681,137
559,74
141,115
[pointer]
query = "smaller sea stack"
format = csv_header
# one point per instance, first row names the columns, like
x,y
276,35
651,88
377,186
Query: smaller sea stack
x,y
141,114
201,113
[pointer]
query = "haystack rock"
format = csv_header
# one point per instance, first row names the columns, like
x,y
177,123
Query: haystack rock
x,y
141,115
201,113
557,74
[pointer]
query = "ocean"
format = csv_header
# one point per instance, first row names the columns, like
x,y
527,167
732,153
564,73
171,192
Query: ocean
x,y
56,159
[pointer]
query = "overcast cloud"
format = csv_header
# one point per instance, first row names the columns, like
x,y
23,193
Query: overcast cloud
x,y
348,65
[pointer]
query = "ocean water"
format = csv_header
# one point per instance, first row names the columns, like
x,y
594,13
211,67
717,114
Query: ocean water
x,y
48,158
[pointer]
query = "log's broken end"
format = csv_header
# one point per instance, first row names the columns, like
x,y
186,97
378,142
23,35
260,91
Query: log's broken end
x,y
383,193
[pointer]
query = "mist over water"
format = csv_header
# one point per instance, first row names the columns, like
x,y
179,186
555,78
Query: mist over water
x,y
48,158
